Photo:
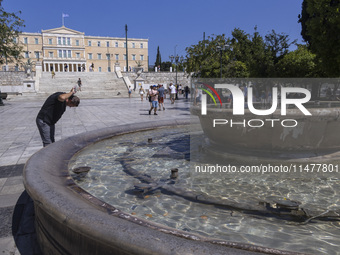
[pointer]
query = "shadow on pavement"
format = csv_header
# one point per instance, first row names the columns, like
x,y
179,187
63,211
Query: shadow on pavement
x,y
23,228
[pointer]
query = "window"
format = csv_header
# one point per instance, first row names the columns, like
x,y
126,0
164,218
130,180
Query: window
x,y
125,45
124,56
64,40
14,40
107,44
99,56
36,40
25,40
133,45
99,69
50,54
141,45
77,55
90,43
117,56
60,53
69,54
142,57
50,41
59,40
98,43
116,44
27,55
108,56
133,57
68,41
64,54
109,69
90,55
77,42
37,54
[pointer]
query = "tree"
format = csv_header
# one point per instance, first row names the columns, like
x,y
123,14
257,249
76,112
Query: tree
x,y
247,55
10,25
320,23
158,58
165,66
260,62
204,59
299,63
278,45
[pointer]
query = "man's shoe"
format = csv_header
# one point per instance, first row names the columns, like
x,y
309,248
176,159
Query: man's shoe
x,y
163,109
149,112
155,114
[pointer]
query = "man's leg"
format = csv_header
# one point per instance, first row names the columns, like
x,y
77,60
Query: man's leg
x,y
151,108
45,132
155,105
52,132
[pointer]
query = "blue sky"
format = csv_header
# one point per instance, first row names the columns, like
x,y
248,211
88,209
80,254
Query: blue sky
x,y
166,23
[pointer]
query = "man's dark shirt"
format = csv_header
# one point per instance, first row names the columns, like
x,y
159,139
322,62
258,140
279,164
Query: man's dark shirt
x,y
53,109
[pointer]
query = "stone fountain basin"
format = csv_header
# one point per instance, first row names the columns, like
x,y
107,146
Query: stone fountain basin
x,y
71,221
314,134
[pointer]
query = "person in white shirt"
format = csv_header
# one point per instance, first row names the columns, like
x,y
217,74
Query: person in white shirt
x,y
172,93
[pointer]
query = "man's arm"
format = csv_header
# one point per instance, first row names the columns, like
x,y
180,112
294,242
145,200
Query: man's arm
x,y
63,97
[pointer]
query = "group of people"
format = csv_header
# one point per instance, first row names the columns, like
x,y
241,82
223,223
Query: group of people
x,y
157,93
156,97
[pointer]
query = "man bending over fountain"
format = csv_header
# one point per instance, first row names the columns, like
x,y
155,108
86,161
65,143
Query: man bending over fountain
x,y
51,111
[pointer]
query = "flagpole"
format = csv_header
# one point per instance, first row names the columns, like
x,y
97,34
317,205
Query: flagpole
x,y
62,18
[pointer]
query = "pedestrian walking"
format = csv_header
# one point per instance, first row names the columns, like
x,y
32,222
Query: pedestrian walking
x,y
148,96
130,91
141,93
161,97
154,99
172,93
79,84
186,91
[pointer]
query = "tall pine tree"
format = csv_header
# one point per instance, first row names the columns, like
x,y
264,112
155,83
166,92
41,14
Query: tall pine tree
x,y
158,58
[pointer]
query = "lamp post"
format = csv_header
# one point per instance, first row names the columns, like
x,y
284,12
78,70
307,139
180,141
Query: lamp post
x,y
221,49
177,60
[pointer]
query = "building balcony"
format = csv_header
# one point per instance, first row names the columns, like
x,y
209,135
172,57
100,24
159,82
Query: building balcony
x,y
64,59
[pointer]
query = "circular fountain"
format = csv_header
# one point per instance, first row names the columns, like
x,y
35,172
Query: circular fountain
x,y
70,220
175,187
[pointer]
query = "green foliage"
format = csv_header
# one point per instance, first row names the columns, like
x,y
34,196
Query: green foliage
x,y
237,69
299,63
278,45
203,59
10,25
246,56
320,22
165,66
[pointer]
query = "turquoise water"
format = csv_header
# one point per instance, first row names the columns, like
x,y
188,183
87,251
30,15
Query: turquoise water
x,y
109,180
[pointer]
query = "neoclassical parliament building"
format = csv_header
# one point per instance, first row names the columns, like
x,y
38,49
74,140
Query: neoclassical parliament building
x,y
65,50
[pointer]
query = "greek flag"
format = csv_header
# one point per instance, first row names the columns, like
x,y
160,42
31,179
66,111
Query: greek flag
x,y
65,15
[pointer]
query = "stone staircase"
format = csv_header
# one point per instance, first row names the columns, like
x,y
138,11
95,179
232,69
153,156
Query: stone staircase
x,y
94,85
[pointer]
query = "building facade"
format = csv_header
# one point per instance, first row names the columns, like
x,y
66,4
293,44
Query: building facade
x,y
66,50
